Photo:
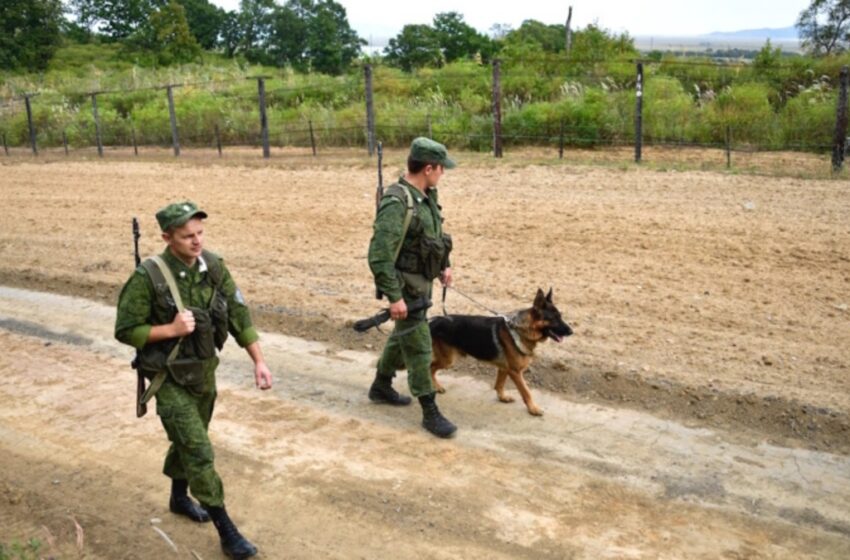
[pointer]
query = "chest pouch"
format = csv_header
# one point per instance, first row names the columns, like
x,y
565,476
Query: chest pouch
x,y
201,343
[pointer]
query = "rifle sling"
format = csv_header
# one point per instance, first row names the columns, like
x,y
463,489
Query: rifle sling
x,y
159,378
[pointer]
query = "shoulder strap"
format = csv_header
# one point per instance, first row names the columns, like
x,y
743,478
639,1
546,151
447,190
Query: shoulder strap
x,y
169,279
408,216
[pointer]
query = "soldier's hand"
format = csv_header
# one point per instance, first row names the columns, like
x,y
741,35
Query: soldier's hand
x,y
262,376
446,277
398,310
184,323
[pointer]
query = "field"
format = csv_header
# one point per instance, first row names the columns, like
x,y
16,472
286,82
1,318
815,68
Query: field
x,y
701,410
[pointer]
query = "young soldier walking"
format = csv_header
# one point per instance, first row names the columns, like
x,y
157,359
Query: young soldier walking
x,y
407,252
178,308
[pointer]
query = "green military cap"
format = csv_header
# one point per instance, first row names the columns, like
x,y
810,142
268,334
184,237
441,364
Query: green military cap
x,y
426,150
177,214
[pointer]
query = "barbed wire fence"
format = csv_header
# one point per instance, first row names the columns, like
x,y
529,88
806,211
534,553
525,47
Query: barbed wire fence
x,y
494,135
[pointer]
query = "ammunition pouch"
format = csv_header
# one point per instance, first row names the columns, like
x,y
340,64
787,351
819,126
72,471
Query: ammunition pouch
x,y
188,372
201,343
426,256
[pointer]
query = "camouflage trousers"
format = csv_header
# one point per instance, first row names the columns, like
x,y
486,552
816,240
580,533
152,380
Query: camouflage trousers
x,y
186,417
409,347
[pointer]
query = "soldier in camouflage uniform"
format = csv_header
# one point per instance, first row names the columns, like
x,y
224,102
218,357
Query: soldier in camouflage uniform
x,y
407,252
184,380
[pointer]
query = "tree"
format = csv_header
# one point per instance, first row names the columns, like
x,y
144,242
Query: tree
x,y
288,39
825,27
231,33
332,44
313,35
29,33
458,39
115,19
206,22
416,46
174,41
255,26
548,38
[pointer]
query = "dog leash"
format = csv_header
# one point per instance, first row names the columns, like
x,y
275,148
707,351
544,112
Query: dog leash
x,y
470,298
509,321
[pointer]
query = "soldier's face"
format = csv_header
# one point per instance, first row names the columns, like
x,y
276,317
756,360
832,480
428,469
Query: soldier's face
x,y
187,241
433,174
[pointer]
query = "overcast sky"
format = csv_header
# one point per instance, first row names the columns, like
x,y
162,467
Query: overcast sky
x,y
382,19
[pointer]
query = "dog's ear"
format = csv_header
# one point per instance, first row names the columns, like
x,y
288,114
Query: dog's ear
x,y
539,299
549,295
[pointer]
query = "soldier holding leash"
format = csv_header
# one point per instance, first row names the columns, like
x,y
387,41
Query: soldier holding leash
x,y
407,252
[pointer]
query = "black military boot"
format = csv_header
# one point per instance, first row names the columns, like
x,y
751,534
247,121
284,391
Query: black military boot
x,y
233,544
382,391
433,420
181,504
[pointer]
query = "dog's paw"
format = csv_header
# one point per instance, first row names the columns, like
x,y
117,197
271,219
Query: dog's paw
x,y
506,399
439,388
535,411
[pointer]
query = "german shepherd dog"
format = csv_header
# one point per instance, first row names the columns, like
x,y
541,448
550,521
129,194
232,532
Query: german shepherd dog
x,y
506,342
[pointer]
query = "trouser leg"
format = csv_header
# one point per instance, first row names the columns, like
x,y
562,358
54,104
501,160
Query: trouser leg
x,y
185,418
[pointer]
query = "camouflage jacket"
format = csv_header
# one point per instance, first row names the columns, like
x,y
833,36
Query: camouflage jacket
x,y
135,315
387,231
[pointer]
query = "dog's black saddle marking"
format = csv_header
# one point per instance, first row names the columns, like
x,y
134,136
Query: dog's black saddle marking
x,y
471,334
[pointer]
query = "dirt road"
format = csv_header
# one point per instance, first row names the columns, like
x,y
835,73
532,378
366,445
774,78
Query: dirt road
x,y
313,470
701,410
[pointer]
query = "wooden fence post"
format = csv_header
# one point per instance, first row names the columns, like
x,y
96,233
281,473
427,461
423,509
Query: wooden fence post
x,y
497,108
561,142
370,110
264,121
840,144
639,113
728,146
65,142
30,124
133,134
97,136
312,137
175,139
218,139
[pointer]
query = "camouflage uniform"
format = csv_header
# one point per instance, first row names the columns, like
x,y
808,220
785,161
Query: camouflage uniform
x,y
409,346
185,413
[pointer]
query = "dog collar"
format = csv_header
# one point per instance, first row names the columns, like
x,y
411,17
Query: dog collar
x,y
510,322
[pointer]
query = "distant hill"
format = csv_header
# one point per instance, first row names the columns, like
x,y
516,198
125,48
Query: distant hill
x,y
783,34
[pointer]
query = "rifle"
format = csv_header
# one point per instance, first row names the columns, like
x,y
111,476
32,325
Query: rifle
x,y
141,408
383,316
379,194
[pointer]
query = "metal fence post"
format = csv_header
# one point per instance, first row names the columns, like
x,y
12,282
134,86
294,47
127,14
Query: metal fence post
x,y
312,138
97,136
840,144
264,121
65,142
639,113
30,124
370,110
218,139
561,141
497,108
728,146
175,140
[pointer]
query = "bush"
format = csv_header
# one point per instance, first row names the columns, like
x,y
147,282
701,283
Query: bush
x,y
746,109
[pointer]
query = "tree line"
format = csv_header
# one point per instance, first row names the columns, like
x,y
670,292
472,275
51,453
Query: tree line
x,y
314,35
